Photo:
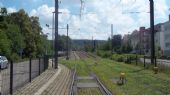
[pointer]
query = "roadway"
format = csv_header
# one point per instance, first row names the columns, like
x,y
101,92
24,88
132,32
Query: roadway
x,y
159,61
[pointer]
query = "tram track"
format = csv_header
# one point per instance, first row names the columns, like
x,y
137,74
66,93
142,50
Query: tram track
x,y
74,84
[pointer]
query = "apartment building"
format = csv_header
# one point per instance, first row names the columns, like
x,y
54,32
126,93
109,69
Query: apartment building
x,y
162,39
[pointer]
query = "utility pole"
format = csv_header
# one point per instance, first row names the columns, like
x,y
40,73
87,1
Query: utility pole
x,y
94,45
67,58
53,42
152,32
111,38
56,34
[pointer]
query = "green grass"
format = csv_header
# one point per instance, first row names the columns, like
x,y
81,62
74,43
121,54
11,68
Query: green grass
x,y
162,68
139,81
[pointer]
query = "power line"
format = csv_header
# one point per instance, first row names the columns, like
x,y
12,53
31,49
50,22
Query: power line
x,y
133,12
81,8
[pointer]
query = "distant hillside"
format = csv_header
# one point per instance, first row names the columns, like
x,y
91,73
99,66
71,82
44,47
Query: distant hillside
x,y
81,43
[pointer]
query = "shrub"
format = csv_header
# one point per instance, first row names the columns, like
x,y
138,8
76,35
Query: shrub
x,y
15,57
104,54
117,57
124,57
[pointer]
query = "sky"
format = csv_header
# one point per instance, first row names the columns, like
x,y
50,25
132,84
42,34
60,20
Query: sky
x,y
96,15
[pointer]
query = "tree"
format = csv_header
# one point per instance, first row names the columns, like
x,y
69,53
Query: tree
x,y
3,11
117,39
126,48
19,32
17,40
4,44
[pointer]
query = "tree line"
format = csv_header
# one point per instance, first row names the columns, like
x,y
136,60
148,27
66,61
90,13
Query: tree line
x,y
21,36
116,45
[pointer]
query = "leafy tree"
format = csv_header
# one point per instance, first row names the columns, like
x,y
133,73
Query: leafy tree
x,y
17,40
20,32
106,46
4,44
3,11
126,48
117,39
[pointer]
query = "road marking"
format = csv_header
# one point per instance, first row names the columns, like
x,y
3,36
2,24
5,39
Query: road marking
x,y
44,87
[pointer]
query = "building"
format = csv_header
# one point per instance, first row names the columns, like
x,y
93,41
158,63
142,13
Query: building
x,y
144,43
134,40
125,39
140,40
162,39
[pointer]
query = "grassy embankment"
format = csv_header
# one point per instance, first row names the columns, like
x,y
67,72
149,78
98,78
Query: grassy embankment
x,y
139,81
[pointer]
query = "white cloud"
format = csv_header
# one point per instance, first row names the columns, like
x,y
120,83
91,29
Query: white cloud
x,y
161,9
45,14
98,15
33,13
112,12
11,10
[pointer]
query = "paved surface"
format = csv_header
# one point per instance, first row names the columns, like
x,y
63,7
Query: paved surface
x,y
0,81
51,82
86,82
61,84
36,84
85,78
87,85
159,61
20,75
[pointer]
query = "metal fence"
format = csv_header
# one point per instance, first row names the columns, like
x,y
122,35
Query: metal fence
x,y
19,74
163,65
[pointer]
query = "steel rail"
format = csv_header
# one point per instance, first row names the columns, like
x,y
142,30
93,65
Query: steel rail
x,y
102,87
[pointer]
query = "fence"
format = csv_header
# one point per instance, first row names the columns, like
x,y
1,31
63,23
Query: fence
x,y
19,74
163,65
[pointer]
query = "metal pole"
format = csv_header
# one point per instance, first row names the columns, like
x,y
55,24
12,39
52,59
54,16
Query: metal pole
x,y
53,39
136,59
46,44
155,62
67,42
152,31
39,65
94,45
11,78
111,38
144,62
56,34
30,67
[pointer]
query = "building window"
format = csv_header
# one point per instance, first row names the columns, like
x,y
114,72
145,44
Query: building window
x,y
167,36
167,45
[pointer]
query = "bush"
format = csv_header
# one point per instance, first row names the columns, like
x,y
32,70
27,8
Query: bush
x,y
15,57
104,54
118,57
124,57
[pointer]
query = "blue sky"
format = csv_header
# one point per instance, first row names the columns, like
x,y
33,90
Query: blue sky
x,y
97,15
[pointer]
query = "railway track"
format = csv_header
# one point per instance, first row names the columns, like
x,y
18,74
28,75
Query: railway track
x,y
97,84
